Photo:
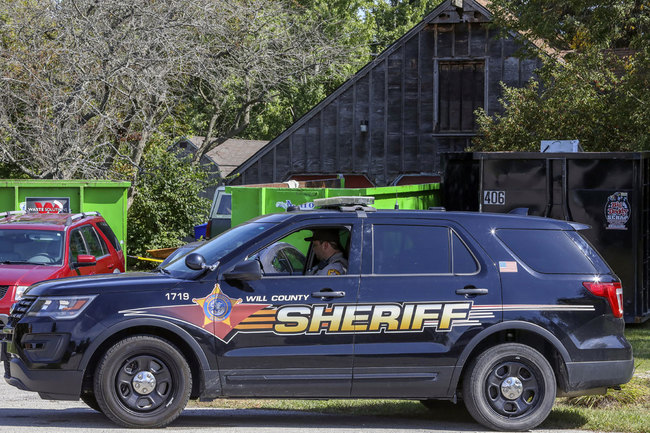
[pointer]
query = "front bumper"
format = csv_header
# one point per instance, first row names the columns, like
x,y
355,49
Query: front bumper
x,y
49,383
598,374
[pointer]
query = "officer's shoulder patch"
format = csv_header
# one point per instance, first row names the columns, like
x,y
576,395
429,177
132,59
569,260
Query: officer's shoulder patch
x,y
333,272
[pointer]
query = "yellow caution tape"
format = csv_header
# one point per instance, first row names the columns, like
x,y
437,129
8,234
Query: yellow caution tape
x,y
147,259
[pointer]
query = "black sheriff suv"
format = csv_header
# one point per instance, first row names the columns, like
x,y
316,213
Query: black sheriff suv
x,y
505,312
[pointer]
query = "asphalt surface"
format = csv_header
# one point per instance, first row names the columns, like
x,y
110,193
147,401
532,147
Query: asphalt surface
x,y
22,411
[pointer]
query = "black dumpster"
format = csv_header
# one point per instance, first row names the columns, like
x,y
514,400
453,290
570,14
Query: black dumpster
x,y
608,191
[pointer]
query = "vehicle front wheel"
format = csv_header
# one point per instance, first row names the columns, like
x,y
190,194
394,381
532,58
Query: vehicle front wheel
x,y
509,387
142,381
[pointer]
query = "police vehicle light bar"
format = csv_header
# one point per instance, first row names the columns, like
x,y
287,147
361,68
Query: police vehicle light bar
x,y
344,201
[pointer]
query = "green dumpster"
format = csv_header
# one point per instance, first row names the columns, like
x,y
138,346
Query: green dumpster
x,y
109,198
249,202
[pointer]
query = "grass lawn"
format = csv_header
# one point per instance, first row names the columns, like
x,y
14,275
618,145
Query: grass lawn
x,y
627,410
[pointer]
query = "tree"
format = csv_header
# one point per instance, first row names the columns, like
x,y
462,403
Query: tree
x,y
257,49
587,89
390,19
168,203
84,85
85,82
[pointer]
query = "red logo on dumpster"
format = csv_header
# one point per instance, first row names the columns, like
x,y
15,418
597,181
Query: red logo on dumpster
x,y
617,211
55,207
47,204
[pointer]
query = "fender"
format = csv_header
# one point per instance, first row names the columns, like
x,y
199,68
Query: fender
x,y
149,322
515,324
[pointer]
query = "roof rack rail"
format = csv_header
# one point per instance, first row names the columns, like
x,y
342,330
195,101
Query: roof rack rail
x,y
346,203
11,213
79,216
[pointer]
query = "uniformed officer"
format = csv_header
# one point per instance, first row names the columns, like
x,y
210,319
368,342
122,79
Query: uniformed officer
x,y
327,248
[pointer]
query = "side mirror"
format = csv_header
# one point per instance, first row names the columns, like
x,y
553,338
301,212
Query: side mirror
x,y
84,260
195,261
248,270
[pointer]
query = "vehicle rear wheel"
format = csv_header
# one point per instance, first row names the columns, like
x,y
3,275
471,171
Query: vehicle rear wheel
x,y
143,381
509,387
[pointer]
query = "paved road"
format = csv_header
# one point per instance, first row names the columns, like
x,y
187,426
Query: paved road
x,y
24,412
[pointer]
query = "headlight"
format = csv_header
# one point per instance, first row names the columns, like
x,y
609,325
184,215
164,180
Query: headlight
x,y
19,292
60,307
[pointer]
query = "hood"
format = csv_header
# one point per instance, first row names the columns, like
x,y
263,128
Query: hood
x,y
104,283
25,275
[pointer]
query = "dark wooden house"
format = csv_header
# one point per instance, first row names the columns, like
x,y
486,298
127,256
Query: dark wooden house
x,y
390,121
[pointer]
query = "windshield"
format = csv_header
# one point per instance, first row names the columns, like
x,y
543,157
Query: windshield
x,y
217,248
28,246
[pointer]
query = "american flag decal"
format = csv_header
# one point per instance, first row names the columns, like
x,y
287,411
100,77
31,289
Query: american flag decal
x,y
508,266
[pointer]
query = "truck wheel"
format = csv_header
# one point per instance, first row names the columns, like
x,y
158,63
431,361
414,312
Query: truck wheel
x,y
143,381
509,387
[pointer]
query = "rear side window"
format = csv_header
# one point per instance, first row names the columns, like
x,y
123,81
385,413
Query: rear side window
x,y
108,232
549,251
420,250
95,247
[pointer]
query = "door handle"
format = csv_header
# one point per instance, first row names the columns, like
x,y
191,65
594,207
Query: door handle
x,y
328,294
471,291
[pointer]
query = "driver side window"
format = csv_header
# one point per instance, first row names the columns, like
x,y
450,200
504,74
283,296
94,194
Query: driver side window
x,y
280,258
294,254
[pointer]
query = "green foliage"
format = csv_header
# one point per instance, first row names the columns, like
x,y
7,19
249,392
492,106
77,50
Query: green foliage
x,y
391,19
592,93
167,205
576,24
7,171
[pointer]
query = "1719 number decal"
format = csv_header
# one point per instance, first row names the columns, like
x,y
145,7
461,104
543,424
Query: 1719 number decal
x,y
494,197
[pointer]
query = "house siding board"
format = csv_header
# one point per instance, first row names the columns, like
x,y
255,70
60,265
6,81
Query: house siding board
x,y
445,40
411,163
511,71
461,40
328,140
377,127
411,88
494,44
300,150
416,98
312,147
528,67
346,131
362,148
495,66
478,46
282,159
394,103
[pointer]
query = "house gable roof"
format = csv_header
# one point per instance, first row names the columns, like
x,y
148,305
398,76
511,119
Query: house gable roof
x,y
228,155
445,13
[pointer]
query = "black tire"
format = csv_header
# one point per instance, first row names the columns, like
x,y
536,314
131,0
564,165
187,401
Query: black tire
x,y
142,382
509,387
90,400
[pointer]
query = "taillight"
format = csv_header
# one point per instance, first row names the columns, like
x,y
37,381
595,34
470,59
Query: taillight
x,y
613,292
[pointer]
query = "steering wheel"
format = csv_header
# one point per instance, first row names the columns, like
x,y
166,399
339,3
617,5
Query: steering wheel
x,y
41,258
